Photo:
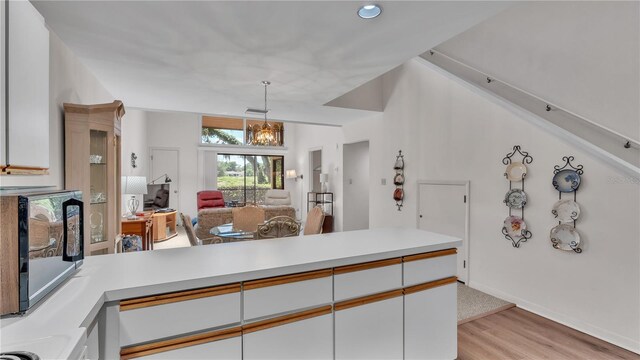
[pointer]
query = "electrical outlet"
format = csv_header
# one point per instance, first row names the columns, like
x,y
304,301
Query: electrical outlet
x,y
383,181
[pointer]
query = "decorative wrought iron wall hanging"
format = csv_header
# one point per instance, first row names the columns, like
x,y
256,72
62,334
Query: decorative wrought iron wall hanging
x,y
398,180
566,179
514,227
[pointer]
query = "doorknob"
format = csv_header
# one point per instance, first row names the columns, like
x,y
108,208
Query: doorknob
x,y
175,191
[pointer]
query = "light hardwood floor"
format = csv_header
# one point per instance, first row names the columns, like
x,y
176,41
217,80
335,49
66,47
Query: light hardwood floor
x,y
517,334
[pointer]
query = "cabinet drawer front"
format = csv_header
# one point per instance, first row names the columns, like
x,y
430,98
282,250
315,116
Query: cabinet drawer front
x,y
370,280
424,309
430,269
288,296
170,319
306,339
370,331
227,349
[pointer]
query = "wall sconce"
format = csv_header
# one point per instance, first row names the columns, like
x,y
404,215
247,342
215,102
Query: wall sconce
x,y
291,174
134,157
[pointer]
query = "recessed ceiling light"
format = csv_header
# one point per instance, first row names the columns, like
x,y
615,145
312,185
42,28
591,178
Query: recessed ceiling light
x,y
369,11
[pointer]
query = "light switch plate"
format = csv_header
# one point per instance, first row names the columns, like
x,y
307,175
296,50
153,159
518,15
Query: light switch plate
x,y
383,181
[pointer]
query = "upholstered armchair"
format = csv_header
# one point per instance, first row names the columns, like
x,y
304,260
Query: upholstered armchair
x,y
210,199
277,197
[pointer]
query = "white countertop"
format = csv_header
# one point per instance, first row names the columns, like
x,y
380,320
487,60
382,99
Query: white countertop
x,y
55,328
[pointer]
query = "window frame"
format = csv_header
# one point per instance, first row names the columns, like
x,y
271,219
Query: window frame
x,y
271,177
244,144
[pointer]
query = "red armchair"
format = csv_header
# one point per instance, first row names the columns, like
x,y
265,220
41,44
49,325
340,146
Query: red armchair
x,y
210,199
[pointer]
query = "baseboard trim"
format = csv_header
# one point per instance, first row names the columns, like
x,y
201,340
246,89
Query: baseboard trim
x,y
595,331
490,312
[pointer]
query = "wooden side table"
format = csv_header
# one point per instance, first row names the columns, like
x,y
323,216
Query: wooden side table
x,y
141,226
162,221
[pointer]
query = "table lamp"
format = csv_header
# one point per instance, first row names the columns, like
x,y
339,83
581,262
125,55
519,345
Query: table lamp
x,y
133,185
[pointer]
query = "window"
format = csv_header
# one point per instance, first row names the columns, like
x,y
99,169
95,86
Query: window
x,y
233,131
217,130
246,178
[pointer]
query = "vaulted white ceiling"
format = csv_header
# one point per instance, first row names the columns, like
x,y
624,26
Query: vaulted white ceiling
x,y
210,57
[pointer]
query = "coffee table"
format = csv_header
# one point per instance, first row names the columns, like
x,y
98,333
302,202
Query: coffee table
x,y
229,234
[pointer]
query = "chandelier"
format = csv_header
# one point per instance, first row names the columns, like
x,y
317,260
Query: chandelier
x,y
265,134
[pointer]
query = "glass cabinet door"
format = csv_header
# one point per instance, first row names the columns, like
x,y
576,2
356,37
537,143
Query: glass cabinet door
x,y
98,215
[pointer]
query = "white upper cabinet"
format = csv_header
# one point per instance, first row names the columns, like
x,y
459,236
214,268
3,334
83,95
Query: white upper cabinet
x,y
26,83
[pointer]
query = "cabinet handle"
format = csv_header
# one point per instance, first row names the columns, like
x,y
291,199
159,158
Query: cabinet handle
x,y
287,319
430,255
365,266
367,299
279,280
161,299
178,343
429,285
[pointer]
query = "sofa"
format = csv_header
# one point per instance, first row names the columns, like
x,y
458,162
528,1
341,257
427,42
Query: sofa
x,y
212,217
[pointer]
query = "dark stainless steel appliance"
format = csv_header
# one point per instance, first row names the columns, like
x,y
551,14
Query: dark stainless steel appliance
x,y
41,242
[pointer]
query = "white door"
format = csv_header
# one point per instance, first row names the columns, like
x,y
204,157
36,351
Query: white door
x,y
443,209
165,161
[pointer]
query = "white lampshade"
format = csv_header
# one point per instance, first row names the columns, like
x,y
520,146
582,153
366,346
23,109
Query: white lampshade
x,y
324,178
134,184
291,174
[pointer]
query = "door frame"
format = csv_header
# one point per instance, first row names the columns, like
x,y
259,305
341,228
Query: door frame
x,y
151,148
466,240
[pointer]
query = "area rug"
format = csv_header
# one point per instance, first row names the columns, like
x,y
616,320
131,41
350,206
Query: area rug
x,y
474,304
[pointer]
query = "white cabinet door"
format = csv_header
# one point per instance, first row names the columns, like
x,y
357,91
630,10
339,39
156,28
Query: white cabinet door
x,y
371,331
306,339
350,284
227,349
287,295
431,269
431,323
177,318
28,87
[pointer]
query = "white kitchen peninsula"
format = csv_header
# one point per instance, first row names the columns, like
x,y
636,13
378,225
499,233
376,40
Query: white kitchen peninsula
x,y
384,293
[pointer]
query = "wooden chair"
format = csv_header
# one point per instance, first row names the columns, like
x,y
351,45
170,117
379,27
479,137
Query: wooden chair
x,y
278,227
315,219
194,240
247,218
188,227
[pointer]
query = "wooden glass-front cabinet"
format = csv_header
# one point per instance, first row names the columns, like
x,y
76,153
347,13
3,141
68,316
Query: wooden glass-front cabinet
x,y
92,165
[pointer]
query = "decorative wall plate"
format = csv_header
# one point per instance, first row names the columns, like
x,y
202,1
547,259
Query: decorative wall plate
x,y
566,211
566,181
516,171
565,237
515,198
398,194
399,165
514,226
398,179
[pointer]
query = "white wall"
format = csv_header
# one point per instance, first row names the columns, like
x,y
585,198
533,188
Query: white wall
x,y
356,184
583,56
69,81
448,132
180,131
134,139
330,140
